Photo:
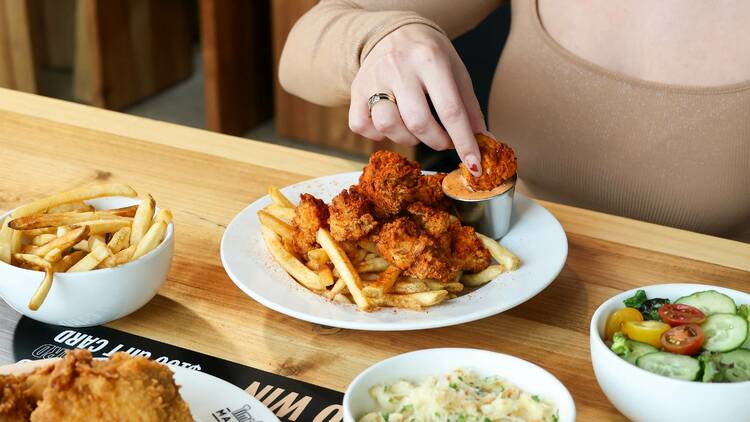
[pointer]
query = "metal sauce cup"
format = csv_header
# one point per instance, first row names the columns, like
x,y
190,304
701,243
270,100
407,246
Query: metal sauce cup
x,y
489,216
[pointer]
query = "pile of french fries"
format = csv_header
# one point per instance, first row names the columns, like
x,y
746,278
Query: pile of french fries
x,y
357,273
62,233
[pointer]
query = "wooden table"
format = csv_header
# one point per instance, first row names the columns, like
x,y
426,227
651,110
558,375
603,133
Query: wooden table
x,y
205,178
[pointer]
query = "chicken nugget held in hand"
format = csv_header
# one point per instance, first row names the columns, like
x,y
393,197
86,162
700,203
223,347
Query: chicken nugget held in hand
x,y
498,164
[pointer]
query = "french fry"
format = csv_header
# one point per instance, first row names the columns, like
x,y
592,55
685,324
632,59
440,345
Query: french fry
x,y
376,264
62,230
6,240
37,232
78,194
43,290
78,206
454,287
499,253
319,255
415,301
482,277
105,226
278,198
404,286
68,261
142,220
99,252
28,249
54,255
120,240
384,283
368,245
277,226
38,221
326,276
150,240
41,239
16,241
284,214
339,298
33,260
83,245
289,262
344,266
63,242
164,215
338,287
122,257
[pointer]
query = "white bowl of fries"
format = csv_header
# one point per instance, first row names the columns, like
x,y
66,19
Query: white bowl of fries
x,y
86,256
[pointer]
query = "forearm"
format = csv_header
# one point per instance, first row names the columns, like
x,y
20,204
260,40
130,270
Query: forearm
x,y
326,46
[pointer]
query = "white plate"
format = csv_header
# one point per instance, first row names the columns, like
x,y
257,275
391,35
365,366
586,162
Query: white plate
x,y
209,398
535,236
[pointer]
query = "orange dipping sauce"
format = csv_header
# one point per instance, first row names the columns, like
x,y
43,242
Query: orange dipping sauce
x,y
455,186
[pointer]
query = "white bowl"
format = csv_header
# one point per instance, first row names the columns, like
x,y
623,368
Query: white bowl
x,y
93,297
644,396
417,366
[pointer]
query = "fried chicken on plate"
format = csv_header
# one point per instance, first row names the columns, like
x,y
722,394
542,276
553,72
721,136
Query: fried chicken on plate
x,y
389,180
351,216
310,215
498,165
79,388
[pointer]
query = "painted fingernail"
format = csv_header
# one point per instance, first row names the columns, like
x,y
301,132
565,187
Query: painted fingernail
x,y
473,163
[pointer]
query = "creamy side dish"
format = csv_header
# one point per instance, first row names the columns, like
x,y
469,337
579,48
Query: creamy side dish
x,y
459,396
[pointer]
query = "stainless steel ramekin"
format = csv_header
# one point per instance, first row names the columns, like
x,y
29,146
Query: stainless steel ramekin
x,y
489,216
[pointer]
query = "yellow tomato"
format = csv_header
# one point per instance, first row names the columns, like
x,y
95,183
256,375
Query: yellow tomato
x,y
614,322
648,332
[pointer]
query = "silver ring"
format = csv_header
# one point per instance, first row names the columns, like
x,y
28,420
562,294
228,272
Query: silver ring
x,y
379,97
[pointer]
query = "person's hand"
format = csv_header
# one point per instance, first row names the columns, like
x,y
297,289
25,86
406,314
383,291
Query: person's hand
x,y
411,63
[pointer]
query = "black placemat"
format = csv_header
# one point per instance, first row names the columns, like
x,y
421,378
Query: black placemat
x,y
35,340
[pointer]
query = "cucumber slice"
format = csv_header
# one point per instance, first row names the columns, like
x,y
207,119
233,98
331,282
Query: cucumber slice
x,y
638,349
710,302
736,365
670,365
724,332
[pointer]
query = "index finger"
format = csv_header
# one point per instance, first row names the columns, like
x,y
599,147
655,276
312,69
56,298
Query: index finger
x,y
453,114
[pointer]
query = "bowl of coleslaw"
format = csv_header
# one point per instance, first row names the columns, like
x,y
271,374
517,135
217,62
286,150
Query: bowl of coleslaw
x,y
455,384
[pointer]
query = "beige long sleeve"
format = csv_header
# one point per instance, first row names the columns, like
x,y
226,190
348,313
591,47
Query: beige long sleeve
x,y
326,46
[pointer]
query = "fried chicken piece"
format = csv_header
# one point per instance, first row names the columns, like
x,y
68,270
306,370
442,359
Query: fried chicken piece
x,y
435,222
468,252
388,180
15,404
498,164
403,244
350,216
429,191
122,388
310,215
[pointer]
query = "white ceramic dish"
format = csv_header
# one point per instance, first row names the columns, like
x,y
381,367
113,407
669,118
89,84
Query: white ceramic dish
x,y
643,396
535,236
209,398
416,366
91,297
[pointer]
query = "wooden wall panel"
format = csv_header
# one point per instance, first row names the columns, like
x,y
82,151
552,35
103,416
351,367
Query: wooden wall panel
x,y
17,62
236,45
129,49
301,120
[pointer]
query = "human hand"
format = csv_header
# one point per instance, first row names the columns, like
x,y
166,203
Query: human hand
x,y
412,63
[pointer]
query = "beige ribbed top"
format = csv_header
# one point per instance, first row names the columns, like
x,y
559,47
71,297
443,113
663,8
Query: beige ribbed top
x,y
584,135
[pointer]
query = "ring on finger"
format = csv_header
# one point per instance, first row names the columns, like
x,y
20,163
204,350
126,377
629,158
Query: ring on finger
x,y
380,96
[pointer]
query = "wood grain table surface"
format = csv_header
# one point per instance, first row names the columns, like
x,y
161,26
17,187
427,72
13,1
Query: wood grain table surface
x,y
49,145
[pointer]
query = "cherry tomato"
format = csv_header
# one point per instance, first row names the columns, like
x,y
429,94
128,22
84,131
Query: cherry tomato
x,y
675,315
684,339
648,332
614,322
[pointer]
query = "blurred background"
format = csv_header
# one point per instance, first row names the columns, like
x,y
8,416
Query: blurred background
x,y
203,63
